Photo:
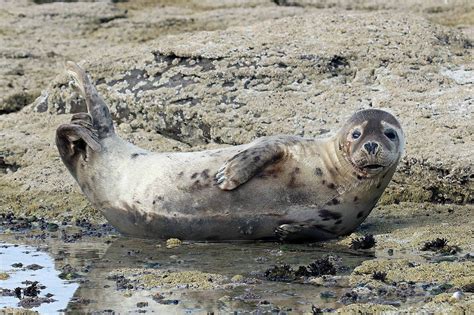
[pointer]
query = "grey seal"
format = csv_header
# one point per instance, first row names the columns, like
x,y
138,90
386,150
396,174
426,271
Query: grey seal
x,y
278,187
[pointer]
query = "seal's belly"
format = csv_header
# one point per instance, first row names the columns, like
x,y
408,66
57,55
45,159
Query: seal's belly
x,y
175,196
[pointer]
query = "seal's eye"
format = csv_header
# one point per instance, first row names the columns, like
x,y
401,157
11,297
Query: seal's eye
x,y
355,134
390,134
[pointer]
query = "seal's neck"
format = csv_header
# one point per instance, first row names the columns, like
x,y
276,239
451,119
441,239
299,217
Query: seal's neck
x,y
336,161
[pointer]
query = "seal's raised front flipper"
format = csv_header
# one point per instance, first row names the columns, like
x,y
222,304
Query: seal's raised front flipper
x,y
248,163
101,118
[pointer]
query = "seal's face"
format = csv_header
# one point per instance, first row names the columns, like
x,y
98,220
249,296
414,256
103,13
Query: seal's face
x,y
372,141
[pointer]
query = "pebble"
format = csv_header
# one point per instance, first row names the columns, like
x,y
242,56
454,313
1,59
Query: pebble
x,y
173,242
457,295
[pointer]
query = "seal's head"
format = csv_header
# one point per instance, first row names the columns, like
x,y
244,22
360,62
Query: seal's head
x,y
372,141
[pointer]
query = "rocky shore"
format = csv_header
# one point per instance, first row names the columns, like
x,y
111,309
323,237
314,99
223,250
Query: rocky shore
x,y
192,75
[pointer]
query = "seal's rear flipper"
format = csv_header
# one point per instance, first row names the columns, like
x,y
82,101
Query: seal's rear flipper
x,y
101,118
302,232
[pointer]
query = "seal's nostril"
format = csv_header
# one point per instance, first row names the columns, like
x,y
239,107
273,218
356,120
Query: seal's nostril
x,y
371,147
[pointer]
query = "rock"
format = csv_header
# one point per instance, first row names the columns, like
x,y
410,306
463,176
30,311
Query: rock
x,y
237,278
4,276
173,242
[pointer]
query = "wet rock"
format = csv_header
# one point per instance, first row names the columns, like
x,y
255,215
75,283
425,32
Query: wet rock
x,y
31,290
283,273
34,267
68,272
17,311
52,227
31,302
327,295
121,282
4,276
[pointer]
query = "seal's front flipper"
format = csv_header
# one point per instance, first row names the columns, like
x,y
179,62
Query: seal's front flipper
x,y
246,164
305,231
101,118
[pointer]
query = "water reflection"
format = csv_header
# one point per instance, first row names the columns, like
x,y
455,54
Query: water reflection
x,y
100,293
94,259
35,266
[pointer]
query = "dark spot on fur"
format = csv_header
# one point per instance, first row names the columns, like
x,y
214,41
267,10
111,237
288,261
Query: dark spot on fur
x,y
135,155
197,185
360,214
181,173
356,199
293,175
338,222
323,182
296,196
359,177
379,185
334,201
318,172
194,175
158,198
329,215
331,186
244,157
205,174
256,158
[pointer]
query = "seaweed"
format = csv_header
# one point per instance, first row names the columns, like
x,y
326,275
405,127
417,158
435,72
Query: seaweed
x,y
440,245
319,267
379,275
435,245
364,242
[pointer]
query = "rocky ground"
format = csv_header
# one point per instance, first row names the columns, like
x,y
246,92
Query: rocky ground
x,y
190,75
